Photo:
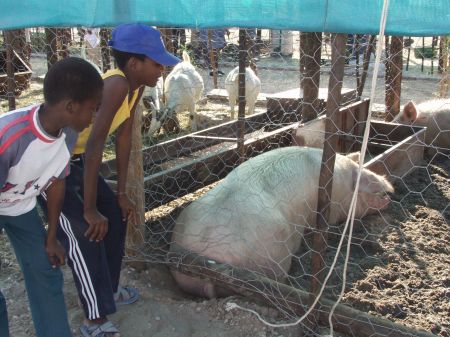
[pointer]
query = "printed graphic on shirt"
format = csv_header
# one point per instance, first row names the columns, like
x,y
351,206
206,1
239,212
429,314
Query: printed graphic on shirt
x,y
7,187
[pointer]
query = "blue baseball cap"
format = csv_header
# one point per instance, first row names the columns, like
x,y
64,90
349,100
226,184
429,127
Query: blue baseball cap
x,y
138,38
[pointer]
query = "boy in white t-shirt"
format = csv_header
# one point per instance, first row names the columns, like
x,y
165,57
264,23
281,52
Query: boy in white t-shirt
x,y
35,147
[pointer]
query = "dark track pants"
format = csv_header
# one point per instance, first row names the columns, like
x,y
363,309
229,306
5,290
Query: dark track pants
x,y
95,265
44,283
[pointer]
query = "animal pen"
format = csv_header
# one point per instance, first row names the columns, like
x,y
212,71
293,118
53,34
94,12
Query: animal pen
x,y
337,86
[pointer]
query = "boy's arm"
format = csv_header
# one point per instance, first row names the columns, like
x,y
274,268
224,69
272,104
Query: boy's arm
x,y
55,200
4,167
123,148
3,174
114,92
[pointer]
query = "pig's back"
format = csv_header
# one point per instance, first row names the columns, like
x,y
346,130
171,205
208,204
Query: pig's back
x,y
435,115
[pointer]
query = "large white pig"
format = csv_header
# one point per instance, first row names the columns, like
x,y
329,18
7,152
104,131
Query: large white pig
x,y
256,216
435,115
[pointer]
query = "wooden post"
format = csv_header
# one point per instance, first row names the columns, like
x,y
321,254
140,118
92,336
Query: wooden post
x,y
212,58
327,168
80,33
241,95
20,45
409,53
442,46
64,36
310,80
11,85
387,73
394,78
106,59
302,58
51,46
357,66
423,53
443,87
168,43
252,285
135,190
167,37
434,42
369,49
258,41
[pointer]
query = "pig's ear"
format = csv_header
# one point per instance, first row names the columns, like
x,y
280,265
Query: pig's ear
x,y
354,156
410,111
372,183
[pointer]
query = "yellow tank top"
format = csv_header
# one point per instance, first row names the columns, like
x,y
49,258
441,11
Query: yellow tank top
x,y
121,115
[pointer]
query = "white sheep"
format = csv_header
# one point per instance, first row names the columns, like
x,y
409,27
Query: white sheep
x,y
252,88
183,88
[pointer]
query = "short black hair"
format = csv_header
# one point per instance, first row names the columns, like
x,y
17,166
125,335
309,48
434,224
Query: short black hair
x,y
122,57
72,78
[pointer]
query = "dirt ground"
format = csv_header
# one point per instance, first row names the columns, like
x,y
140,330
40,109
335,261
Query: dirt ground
x,y
399,271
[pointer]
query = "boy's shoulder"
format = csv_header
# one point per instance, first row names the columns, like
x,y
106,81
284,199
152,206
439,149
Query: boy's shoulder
x,y
23,123
15,115
15,123
71,136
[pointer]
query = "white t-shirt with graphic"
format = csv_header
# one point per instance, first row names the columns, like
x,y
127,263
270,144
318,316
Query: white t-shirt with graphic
x,y
30,159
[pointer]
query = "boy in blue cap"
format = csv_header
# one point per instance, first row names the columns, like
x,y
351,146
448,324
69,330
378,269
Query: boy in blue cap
x,y
35,147
93,219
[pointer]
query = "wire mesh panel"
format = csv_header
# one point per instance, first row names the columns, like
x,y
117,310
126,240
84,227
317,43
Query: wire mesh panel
x,y
230,168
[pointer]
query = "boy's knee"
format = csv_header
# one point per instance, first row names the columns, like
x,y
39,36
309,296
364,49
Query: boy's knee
x,y
44,274
54,281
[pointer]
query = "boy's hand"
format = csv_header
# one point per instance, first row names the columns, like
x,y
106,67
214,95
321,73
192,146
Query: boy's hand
x,y
55,252
127,206
98,225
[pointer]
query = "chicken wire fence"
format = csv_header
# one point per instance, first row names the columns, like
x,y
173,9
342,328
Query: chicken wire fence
x,y
257,232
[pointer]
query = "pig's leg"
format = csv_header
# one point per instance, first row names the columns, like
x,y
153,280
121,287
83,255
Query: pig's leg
x,y
194,285
199,287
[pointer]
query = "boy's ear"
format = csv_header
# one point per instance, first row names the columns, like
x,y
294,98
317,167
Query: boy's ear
x,y
70,106
132,62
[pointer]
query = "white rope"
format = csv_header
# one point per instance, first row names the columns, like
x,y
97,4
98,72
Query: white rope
x,y
352,210
351,213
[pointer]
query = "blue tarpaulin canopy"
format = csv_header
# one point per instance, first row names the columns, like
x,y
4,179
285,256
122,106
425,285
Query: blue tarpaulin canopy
x,y
405,17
